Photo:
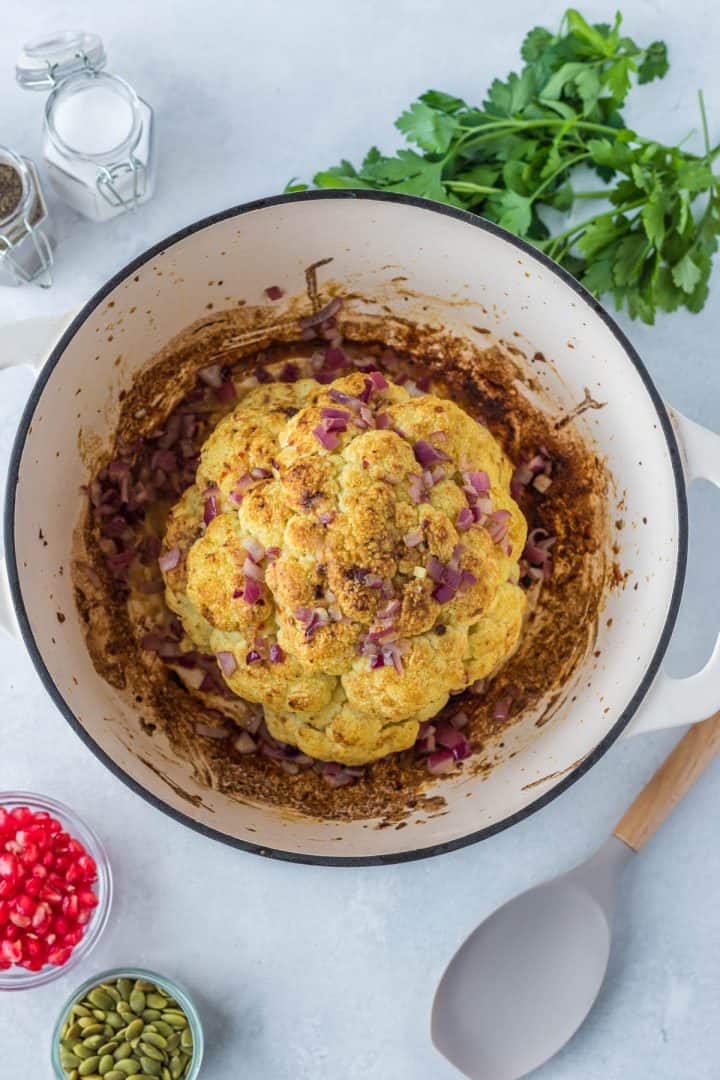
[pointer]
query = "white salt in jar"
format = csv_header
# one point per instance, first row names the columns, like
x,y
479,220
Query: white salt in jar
x,y
98,139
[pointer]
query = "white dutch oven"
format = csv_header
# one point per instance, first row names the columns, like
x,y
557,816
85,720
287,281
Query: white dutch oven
x,y
652,454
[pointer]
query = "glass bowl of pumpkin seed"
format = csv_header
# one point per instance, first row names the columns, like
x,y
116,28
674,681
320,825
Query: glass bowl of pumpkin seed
x,y
128,1024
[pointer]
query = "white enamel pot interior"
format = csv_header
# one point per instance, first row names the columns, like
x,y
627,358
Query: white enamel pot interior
x,y
443,254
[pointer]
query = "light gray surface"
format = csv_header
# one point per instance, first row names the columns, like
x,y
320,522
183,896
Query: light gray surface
x,y
324,974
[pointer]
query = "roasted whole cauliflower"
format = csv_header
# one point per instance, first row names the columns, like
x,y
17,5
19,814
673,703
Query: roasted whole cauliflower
x,y
349,554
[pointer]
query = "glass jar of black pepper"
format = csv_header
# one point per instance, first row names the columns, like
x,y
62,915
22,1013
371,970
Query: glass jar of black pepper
x,y
26,241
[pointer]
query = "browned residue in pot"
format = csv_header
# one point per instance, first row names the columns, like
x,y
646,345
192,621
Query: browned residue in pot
x,y
490,382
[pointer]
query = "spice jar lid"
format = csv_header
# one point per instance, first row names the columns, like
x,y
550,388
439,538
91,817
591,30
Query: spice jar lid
x,y
47,60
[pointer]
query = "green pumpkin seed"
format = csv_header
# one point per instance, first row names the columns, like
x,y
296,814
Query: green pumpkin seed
x,y
124,1050
173,1041
80,1010
177,1067
113,992
108,1047
89,1066
72,1030
107,1063
115,1074
153,1039
94,1041
74,1075
137,1001
186,1039
144,985
128,1066
151,1014
86,1021
115,1021
150,1066
157,1001
82,1051
151,1051
100,999
123,1009
163,1028
175,1019
124,988
68,1060
166,1074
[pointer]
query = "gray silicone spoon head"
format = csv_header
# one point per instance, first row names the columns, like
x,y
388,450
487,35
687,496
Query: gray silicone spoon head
x,y
524,981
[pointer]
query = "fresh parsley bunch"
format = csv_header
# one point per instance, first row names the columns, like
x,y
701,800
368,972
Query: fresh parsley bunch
x,y
521,152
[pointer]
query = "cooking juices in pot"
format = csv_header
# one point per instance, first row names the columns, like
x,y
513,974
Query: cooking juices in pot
x,y
243,557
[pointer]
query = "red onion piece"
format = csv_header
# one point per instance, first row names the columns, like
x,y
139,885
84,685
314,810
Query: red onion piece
x,y
211,509
378,380
335,358
413,538
416,488
260,474
169,560
226,393
252,570
467,580
277,654
465,519
211,376
435,569
253,656
274,292
501,708
383,421
272,553
426,454
327,439
390,610
326,517
252,591
227,662
244,743
442,761
254,549
334,414
460,720
443,594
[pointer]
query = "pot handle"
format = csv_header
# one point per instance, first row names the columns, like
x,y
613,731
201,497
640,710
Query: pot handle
x,y
677,702
25,344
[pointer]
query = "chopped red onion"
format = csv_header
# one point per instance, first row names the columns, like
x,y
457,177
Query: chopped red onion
x,y
169,560
465,519
326,517
467,580
443,594
413,538
274,292
252,570
383,421
254,549
373,581
378,380
391,652
441,761
335,358
252,591
327,439
426,454
390,609
460,720
416,488
334,414
260,474
211,509
226,393
253,656
497,525
272,553
244,743
227,662
211,376
501,709
277,654
435,568
480,481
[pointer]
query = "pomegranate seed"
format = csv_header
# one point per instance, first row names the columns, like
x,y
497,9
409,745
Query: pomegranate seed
x,y
71,906
61,925
41,916
21,921
59,955
51,894
32,886
11,951
75,847
30,855
21,816
61,863
11,931
4,912
8,866
5,819
74,874
75,936
88,898
32,965
35,948
25,904
83,917
48,858
8,888
88,866
39,871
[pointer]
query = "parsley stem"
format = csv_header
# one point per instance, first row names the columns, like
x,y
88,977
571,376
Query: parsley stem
x,y
472,189
556,172
600,193
581,226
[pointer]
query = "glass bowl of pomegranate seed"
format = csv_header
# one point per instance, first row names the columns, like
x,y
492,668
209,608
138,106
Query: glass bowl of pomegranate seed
x,y
55,890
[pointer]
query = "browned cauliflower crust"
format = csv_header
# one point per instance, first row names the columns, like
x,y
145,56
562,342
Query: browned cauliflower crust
x,y
349,553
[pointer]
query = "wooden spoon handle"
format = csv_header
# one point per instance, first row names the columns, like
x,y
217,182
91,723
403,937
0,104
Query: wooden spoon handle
x,y
670,783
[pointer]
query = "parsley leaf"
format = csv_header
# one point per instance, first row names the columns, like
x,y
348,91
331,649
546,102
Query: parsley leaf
x,y
431,129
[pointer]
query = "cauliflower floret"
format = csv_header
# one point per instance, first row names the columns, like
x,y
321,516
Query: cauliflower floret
x,y
349,552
